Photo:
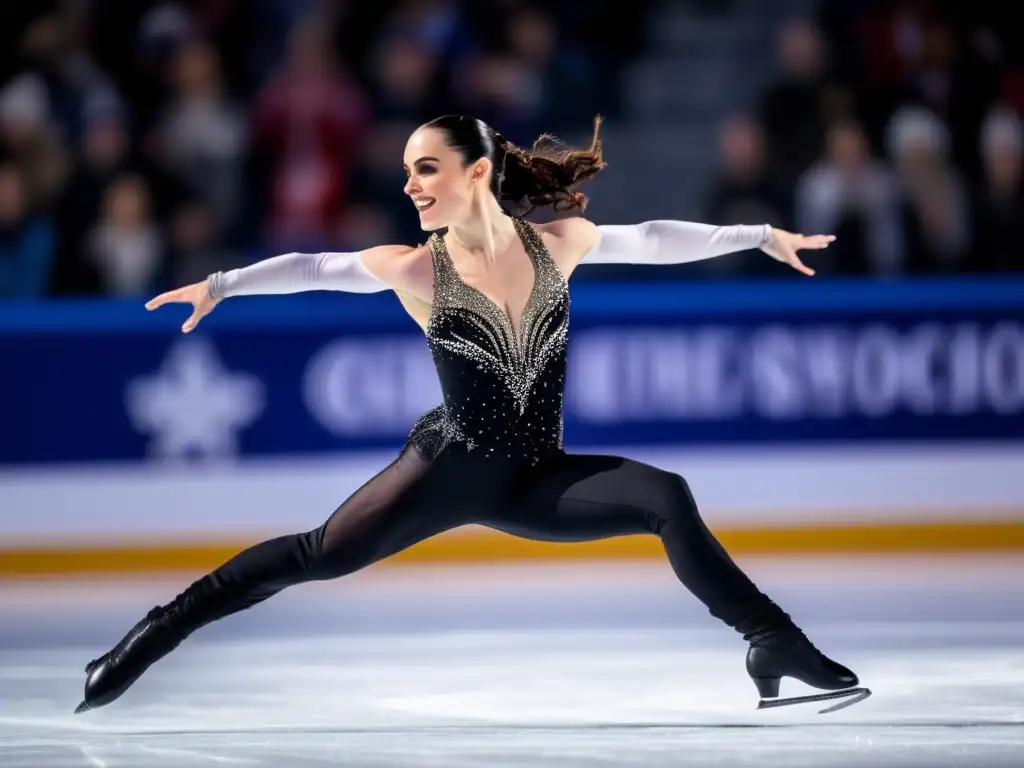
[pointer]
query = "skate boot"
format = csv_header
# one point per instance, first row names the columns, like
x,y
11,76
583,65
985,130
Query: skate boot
x,y
784,651
159,633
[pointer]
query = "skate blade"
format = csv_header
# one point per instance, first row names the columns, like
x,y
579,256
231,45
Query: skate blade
x,y
850,697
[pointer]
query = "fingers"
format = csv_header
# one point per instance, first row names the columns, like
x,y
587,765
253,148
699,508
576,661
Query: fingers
x,y
168,297
794,261
816,242
192,322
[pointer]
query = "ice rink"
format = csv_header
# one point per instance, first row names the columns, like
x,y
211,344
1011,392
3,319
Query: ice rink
x,y
533,666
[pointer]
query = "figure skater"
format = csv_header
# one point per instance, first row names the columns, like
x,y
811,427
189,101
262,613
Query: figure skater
x,y
491,295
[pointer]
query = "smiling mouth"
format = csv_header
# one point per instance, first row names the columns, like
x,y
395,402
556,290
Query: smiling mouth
x,y
422,205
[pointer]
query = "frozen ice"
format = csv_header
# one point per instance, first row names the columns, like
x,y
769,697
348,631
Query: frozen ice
x,y
574,667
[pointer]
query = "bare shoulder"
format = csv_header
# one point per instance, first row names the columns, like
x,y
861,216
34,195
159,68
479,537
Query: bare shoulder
x,y
569,240
409,269
569,230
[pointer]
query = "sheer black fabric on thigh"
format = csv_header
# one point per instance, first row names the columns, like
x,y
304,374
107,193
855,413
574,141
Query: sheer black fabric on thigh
x,y
399,506
359,531
574,498
565,498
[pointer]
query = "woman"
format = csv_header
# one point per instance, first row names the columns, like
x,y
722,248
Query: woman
x,y
492,298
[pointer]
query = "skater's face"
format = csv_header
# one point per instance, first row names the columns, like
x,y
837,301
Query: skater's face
x,y
442,187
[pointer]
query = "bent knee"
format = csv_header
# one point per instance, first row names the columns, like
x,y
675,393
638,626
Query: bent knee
x,y
669,495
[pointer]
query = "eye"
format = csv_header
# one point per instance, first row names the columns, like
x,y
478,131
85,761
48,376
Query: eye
x,y
427,169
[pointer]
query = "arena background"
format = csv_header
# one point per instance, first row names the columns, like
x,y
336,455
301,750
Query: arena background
x,y
875,408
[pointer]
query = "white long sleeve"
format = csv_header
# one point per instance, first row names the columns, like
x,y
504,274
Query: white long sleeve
x,y
296,272
672,242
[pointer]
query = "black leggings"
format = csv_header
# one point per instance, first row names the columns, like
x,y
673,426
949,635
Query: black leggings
x,y
565,498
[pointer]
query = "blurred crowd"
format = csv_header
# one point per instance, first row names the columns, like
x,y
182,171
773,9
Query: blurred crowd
x,y
896,125
146,143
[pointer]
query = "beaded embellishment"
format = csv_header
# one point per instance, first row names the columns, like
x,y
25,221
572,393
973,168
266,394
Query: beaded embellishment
x,y
529,361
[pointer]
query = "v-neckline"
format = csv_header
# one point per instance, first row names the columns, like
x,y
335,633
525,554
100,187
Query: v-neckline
x,y
505,316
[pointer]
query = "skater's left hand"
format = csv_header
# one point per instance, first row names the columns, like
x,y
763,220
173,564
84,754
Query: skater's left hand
x,y
784,245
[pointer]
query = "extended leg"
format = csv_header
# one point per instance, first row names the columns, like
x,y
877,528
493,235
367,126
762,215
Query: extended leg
x,y
580,498
403,504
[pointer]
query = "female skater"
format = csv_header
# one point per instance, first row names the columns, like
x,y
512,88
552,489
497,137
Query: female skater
x,y
491,295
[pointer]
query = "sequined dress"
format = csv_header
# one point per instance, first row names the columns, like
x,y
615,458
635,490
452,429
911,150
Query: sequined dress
x,y
502,386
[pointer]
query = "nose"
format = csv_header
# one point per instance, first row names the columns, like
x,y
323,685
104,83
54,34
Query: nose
x,y
411,186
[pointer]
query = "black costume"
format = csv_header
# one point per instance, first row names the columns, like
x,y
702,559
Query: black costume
x,y
491,455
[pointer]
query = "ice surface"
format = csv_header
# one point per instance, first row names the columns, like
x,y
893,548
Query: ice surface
x,y
538,670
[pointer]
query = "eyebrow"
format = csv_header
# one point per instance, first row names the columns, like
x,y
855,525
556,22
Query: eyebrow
x,y
422,159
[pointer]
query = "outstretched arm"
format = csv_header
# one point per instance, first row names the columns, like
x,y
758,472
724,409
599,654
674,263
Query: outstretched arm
x,y
674,242
297,272
370,271
671,242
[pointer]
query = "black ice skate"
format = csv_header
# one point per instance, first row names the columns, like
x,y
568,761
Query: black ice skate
x,y
160,632
109,676
791,654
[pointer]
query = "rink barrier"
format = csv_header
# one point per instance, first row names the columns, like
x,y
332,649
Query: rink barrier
x,y
671,362
481,547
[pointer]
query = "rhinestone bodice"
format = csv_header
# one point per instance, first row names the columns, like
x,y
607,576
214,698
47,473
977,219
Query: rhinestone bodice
x,y
502,385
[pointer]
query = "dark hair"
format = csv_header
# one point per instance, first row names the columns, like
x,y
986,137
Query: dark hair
x,y
545,174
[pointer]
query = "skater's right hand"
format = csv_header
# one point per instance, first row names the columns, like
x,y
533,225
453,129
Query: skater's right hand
x,y
197,294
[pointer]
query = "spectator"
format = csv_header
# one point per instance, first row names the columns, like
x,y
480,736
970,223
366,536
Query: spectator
x,y
98,92
201,139
28,138
103,155
56,48
941,80
854,196
936,212
999,200
125,245
26,241
744,190
911,52
888,50
164,28
797,106
308,124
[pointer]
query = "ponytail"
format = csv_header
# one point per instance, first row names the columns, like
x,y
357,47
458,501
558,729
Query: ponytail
x,y
547,173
